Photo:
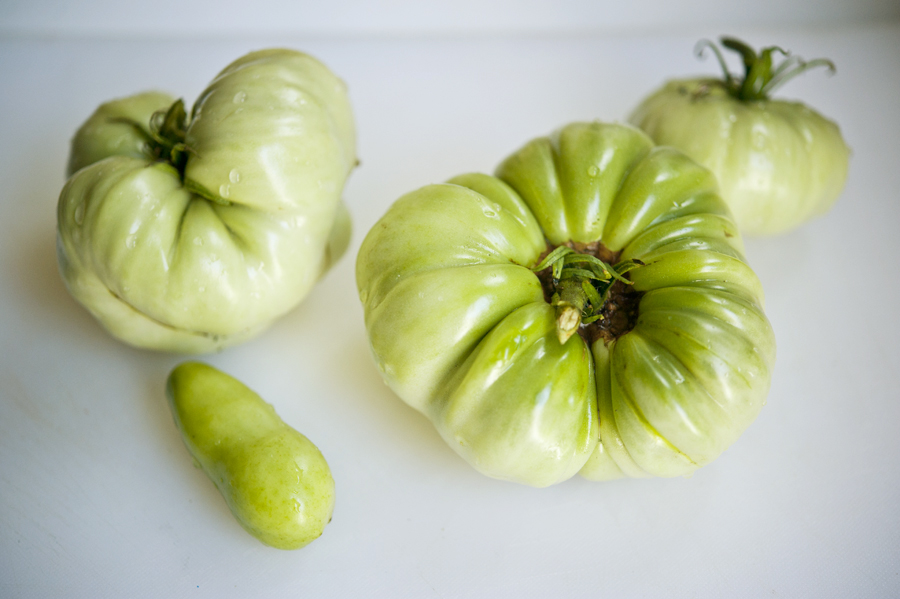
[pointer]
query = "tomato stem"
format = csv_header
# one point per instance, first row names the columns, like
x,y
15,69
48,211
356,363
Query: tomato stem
x,y
569,307
581,285
164,135
761,77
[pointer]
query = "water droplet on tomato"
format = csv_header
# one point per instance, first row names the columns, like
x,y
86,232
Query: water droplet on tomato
x,y
240,97
490,210
79,214
224,190
386,371
131,241
593,171
234,176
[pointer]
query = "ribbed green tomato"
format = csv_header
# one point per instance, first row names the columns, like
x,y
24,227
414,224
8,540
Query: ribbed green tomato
x,y
778,163
192,233
461,328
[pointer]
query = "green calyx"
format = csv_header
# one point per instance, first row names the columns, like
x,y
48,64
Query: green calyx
x,y
761,75
164,140
582,283
164,135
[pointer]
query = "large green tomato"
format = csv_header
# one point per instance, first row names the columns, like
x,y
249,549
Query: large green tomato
x,y
192,233
533,364
274,479
778,163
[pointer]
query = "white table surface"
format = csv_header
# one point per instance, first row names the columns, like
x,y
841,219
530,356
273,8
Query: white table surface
x,y
99,498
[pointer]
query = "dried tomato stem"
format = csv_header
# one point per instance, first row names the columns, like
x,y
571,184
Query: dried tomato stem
x,y
579,285
572,300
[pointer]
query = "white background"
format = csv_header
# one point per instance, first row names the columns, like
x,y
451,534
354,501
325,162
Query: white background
x,y
390,18
98,496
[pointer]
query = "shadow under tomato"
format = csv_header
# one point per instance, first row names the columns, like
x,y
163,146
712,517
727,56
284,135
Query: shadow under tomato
x,y
380,404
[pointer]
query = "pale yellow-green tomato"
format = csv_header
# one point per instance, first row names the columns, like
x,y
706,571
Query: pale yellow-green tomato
x,y
778,163
465,328
274,479
192,232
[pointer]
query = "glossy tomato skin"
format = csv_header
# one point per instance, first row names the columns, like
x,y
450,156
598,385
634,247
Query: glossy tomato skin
x,y
778,163
460,328
198,260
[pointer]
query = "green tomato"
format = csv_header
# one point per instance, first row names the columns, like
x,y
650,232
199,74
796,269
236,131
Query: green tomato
x,y
778,163
274,479
192,233
472,319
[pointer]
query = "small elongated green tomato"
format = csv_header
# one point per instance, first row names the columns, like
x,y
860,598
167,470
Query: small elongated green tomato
x,y
274,479
191,233
586,310
778,163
